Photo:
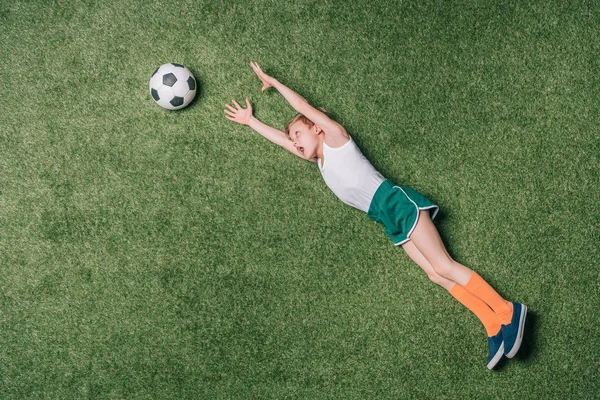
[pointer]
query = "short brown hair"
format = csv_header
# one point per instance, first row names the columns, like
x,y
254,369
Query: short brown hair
x,y
304,119
299,117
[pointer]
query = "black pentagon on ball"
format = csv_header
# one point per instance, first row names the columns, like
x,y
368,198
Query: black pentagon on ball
x,y
176,101
155,95
155,71
178,65
169,79
192,83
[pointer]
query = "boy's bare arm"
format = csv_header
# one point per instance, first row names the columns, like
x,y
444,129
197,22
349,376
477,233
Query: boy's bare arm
x,y
274,135
299,103
244,116
296,101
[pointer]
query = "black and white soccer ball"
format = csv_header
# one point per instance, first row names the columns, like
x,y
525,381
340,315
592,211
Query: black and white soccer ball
x,y
172,86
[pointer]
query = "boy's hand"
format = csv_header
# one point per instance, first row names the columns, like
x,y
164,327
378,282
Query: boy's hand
x,y
266,79
239,114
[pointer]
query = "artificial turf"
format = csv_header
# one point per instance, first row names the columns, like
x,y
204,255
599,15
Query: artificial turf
x,y
155,254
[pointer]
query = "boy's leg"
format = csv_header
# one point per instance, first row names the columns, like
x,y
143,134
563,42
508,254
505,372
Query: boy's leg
x,y
422,262
485,314
427,240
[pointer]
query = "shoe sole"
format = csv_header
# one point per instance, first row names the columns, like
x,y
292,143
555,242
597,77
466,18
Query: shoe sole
x,y
519,338
496,357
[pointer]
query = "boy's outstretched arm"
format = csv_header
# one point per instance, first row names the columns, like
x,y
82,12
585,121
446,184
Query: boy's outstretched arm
x,y
244,116
298,102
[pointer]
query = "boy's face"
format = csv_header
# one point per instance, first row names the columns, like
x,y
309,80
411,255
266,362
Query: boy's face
x,y
305,139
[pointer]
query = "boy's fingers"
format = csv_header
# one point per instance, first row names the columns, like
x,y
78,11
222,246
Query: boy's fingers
x,y
231,108
236,104
247,102
232,114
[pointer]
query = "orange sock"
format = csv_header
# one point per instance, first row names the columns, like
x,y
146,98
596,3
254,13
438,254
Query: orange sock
x,y
485,314
481,289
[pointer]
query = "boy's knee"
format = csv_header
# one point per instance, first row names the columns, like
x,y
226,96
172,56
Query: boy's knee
x,y
444,267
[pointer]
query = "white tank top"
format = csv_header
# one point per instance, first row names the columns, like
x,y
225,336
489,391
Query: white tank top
x,y
350,175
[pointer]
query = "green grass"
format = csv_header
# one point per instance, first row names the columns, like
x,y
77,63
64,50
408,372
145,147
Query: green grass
x,y
155,254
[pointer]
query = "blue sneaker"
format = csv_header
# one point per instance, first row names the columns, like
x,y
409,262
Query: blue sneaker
x,y
513,332
496,344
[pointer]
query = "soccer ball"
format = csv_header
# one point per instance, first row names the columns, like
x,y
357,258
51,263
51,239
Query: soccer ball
x,y
172,86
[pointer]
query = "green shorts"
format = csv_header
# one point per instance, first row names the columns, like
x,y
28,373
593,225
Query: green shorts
x,y
397,208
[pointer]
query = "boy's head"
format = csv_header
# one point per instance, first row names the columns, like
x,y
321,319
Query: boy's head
x,y
304,134
304,120
298,118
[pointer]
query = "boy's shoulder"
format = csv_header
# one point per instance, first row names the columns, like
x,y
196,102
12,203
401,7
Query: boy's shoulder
x,y
336,136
